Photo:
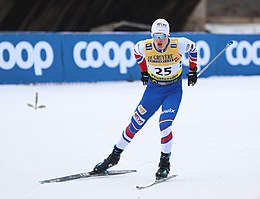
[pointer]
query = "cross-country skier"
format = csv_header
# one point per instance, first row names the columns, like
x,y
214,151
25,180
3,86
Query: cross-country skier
x,y
160,62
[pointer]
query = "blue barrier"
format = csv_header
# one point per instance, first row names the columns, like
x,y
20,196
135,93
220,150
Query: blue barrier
x,y
90,57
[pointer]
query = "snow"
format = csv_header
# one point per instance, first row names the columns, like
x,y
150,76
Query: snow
x,y
216,150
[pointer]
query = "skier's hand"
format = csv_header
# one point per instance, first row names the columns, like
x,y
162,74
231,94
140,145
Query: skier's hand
x,y
192,78
144,77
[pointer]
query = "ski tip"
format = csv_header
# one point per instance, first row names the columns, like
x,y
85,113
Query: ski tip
x,y
47,181
139,187
155,181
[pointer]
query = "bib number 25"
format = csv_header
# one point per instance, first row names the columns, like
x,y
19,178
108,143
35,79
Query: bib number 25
x,y
163,71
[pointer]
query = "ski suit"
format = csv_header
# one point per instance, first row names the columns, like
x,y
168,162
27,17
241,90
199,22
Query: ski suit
x,y
164,88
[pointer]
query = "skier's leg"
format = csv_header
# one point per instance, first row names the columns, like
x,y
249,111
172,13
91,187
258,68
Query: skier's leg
x,y
149,103
170,108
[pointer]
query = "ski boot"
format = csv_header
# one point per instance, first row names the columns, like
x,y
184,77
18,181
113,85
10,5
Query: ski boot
x,y
110,161
164,166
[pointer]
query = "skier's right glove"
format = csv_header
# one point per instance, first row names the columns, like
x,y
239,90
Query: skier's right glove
x,y
144,77
192,78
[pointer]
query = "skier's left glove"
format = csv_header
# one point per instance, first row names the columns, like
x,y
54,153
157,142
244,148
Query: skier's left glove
x,y
192,78
144,77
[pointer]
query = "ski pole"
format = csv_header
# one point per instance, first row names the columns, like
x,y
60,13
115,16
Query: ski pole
x,y
212,61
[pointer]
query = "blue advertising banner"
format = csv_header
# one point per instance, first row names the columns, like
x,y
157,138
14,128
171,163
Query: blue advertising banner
x,y
100,57
90,57
241,58
30,58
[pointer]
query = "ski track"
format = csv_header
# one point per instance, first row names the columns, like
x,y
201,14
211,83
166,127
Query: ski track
x,y
216,151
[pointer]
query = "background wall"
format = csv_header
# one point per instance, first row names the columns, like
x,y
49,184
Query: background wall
x,y
89,57
38,38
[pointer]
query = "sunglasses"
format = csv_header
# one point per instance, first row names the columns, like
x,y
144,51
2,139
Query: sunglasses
x,y
159,35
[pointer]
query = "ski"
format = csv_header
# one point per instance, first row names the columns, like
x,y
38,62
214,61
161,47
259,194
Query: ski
x,y
85,175
154,182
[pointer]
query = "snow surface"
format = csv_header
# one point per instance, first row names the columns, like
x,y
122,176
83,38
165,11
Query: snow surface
x,y
216,141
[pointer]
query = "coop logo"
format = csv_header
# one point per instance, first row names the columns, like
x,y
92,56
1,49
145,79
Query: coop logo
x,y
243,53
26,56
94,54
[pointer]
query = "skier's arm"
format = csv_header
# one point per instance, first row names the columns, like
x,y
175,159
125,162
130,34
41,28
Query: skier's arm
x,y
186,45
139,55
140,58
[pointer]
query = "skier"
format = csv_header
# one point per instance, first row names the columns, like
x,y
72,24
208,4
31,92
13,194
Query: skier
x,y
160,62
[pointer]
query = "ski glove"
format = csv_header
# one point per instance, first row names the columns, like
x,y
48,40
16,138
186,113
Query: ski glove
x,y
192,78
144,77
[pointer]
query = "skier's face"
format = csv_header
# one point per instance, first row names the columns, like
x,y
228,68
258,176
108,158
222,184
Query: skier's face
x,y
160,40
